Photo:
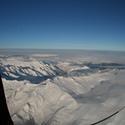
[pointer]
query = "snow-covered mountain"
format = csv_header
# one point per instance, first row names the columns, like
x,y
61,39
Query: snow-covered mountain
x,y
47,91
33,71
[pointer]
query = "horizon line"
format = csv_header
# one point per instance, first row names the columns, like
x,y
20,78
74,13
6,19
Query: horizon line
x,y
112,50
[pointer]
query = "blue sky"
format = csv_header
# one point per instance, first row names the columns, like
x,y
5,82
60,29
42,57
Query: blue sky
x,y
62,24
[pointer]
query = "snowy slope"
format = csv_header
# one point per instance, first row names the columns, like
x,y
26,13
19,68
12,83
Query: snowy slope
x,y
63,93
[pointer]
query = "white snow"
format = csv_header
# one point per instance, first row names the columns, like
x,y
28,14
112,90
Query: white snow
x,y
61,99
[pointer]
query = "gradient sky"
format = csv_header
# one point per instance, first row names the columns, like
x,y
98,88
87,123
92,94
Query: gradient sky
x,y
63,24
